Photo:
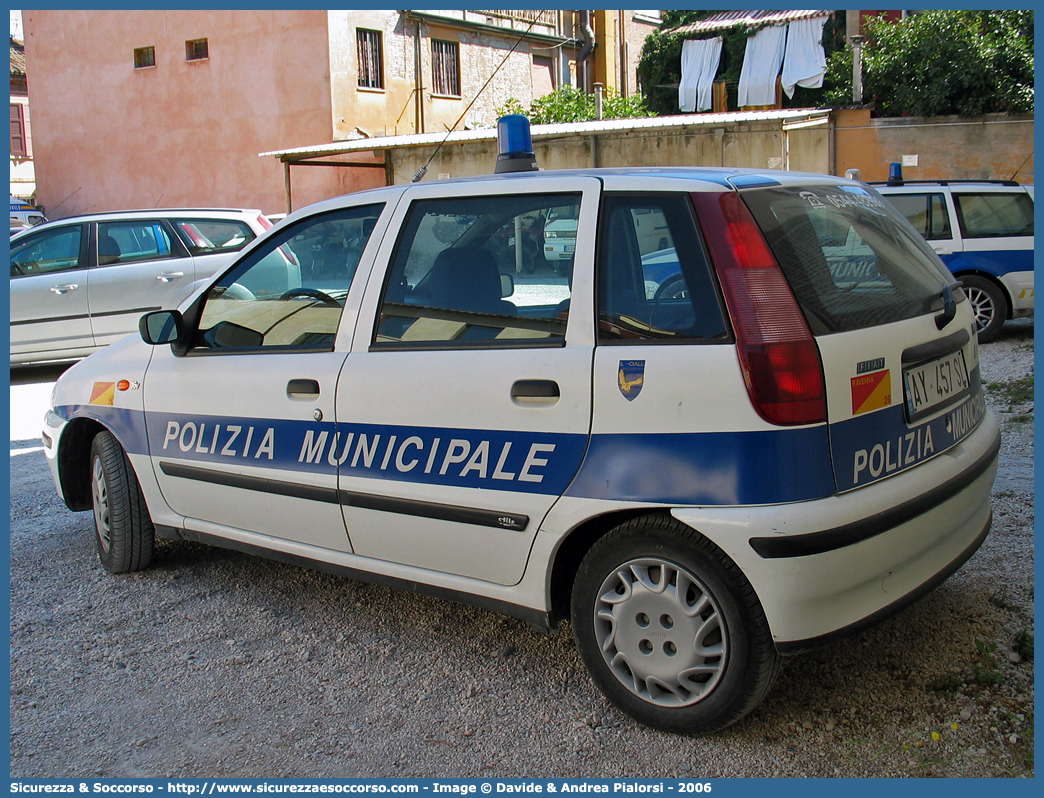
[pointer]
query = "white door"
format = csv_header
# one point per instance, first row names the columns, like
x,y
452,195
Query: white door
x,y
238,425
464,411
138,267
49,311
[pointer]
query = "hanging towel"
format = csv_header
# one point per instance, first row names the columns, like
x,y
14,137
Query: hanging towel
x,y
761,63
699,65
805,61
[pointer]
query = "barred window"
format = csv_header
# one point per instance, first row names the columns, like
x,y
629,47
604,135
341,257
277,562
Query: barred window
x,y
445,67
371,61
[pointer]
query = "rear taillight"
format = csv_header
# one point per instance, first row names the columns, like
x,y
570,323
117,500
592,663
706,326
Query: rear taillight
x,y
264,221
779,356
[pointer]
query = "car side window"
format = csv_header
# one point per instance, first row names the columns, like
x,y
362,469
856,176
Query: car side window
x,y
993,215
208,236
476,272
926,212
654,282
47,252
130,242
289,292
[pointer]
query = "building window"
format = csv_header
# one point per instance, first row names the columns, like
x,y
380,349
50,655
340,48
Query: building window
x,y
18,130
445,67
371,62
196,50
144,57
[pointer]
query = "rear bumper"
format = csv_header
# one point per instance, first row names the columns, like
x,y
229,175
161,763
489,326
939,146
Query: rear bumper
x,y
830,567
1020,289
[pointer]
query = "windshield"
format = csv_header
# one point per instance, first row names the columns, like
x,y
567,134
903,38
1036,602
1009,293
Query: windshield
x,y
851,259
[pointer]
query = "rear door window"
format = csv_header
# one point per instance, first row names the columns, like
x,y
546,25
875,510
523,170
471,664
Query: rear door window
x,y
129,242
471,272
848,257
994,214
926,212
653,279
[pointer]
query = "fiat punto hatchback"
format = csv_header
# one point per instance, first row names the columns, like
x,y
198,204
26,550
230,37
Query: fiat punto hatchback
x,y
776,445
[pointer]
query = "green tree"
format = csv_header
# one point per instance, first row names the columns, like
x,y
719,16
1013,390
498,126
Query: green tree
x,y
950,62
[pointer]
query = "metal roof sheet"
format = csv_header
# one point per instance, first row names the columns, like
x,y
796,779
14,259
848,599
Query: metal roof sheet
x,y
724,20
539,132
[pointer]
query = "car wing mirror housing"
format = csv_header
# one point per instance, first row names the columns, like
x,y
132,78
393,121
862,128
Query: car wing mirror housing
x,y
161,327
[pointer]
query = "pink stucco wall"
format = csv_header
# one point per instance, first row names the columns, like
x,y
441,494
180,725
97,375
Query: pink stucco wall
x,y
108,136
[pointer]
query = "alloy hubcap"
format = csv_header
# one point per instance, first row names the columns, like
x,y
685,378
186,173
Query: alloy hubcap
x,y
982,307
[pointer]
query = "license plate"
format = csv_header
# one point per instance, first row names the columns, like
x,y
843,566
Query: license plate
x,y
570,247
935,384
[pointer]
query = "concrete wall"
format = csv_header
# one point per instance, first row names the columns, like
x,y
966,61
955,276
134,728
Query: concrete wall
x,y
993,147
108,136
750,144
998,147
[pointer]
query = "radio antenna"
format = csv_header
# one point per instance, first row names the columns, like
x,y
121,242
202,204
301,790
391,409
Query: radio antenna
x,y
419,175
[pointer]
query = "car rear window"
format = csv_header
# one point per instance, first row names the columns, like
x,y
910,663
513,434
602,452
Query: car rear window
x,y
852,261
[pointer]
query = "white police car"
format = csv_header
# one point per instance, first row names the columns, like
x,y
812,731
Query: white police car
x,y
702,480
983,231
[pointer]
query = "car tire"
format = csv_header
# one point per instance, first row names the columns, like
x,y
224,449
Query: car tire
x,y
674,288
123,528
988,304
685,663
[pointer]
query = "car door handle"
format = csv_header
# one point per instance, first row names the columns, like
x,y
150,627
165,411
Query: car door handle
x,y
535,392
65,289
302,389
166,277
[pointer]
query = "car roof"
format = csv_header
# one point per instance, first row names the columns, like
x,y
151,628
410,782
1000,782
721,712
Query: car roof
x,y
149,212
987,185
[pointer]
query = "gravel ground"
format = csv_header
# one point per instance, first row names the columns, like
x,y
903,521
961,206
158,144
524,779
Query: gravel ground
x,y
216,664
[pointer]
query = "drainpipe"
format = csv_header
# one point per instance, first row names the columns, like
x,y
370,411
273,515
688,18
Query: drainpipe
x,y
418,82
621,26
590,43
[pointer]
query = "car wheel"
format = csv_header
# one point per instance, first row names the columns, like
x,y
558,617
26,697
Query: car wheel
x,y
674,288
988,304
124,529
670,629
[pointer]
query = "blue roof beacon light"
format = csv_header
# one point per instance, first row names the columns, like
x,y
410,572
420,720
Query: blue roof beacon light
x,y
895,172
514,145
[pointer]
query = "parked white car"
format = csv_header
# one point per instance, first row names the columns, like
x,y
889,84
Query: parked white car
x,y
81,283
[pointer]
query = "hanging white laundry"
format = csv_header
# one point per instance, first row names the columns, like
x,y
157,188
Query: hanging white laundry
x,y
699,65
805,61
761,63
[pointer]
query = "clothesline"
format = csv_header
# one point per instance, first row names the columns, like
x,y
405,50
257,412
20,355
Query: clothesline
x,y
796,47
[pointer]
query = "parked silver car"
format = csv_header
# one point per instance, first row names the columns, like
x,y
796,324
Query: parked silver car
x,y
81,283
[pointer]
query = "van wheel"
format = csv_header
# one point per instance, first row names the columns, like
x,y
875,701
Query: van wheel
x,y
125,534
988,304
670,629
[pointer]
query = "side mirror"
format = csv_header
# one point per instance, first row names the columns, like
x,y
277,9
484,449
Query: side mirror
x,y
161,327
